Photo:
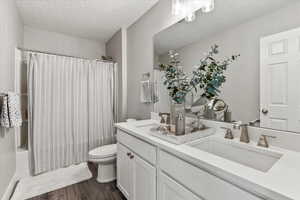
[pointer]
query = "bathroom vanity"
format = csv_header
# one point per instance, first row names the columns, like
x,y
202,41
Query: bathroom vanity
x,y
209,168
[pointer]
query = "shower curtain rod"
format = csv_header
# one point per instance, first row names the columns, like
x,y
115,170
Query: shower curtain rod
x,y
55,54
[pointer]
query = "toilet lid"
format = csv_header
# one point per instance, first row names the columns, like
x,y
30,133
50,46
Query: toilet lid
x,y
104,151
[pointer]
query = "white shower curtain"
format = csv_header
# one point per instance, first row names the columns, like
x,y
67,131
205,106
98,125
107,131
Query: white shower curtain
x,y
70,109
101,104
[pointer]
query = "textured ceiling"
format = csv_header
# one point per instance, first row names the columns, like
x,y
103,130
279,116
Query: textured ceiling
x,y
93,19
227,13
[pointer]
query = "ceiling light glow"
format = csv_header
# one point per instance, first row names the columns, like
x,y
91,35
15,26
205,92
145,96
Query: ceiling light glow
x,y
187,8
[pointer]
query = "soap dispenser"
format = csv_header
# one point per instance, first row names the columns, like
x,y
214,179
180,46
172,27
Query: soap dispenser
x,y
180,124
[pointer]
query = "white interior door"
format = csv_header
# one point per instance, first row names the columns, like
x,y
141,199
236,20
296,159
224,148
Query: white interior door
x,y
280,78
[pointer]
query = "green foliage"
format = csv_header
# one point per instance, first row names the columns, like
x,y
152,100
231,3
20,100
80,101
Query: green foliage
x,y
208,76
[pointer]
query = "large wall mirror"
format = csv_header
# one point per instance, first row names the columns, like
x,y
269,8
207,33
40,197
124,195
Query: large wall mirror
x,y
262,86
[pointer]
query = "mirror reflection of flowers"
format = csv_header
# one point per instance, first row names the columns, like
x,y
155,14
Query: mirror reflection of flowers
x,y
208,76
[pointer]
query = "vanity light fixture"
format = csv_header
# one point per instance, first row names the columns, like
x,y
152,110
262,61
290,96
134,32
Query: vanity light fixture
x,y
188,8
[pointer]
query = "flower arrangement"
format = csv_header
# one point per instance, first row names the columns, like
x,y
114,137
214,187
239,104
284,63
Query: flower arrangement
x,y
207,76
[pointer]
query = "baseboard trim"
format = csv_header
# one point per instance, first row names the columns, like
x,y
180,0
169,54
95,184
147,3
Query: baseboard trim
x,y
122,190
10,188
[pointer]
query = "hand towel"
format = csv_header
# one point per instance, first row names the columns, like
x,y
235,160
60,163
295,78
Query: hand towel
x,y
145,92
10,111
14,110
4,116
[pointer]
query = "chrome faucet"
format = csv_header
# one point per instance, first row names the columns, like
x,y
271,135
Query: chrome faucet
x,y
244,132
263,142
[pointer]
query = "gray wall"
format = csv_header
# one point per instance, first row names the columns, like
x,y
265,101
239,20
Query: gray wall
x,y
11,36
140,56
114,49
241,91
62,44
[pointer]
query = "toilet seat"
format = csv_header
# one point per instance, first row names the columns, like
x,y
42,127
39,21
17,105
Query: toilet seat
x,y
103,152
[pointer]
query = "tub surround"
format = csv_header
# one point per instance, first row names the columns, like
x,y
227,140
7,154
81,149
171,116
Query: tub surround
x,y
280,182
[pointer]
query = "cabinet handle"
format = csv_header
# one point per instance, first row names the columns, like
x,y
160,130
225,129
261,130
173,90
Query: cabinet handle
x,y
128,154
131,157
264,111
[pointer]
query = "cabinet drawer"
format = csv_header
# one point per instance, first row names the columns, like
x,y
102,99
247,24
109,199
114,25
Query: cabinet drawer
x,y
143,149
170,189
200,182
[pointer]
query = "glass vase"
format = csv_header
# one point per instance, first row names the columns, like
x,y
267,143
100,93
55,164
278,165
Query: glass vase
x,y
177,112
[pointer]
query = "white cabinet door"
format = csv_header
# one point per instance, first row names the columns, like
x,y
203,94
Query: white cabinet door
x,y
144,180
124,171
171,190
280,69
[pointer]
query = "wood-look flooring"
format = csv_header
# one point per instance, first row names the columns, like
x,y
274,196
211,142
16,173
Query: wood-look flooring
x,y
87,190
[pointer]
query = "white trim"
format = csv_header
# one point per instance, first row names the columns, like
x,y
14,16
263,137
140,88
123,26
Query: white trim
x,y
124,73
123,191
17,70
10,188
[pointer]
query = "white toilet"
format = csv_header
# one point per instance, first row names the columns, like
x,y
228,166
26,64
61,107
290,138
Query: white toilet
x,y
105,158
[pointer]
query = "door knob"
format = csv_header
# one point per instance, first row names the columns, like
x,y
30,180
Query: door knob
x,y
264,111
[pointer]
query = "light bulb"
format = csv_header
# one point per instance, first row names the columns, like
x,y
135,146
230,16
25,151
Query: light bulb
x,y
177,7
190,17
188,8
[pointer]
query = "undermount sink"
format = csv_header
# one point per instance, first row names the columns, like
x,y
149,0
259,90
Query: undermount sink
x,y
244,154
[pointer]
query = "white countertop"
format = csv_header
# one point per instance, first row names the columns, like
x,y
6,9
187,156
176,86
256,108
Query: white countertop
x,y
281,182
